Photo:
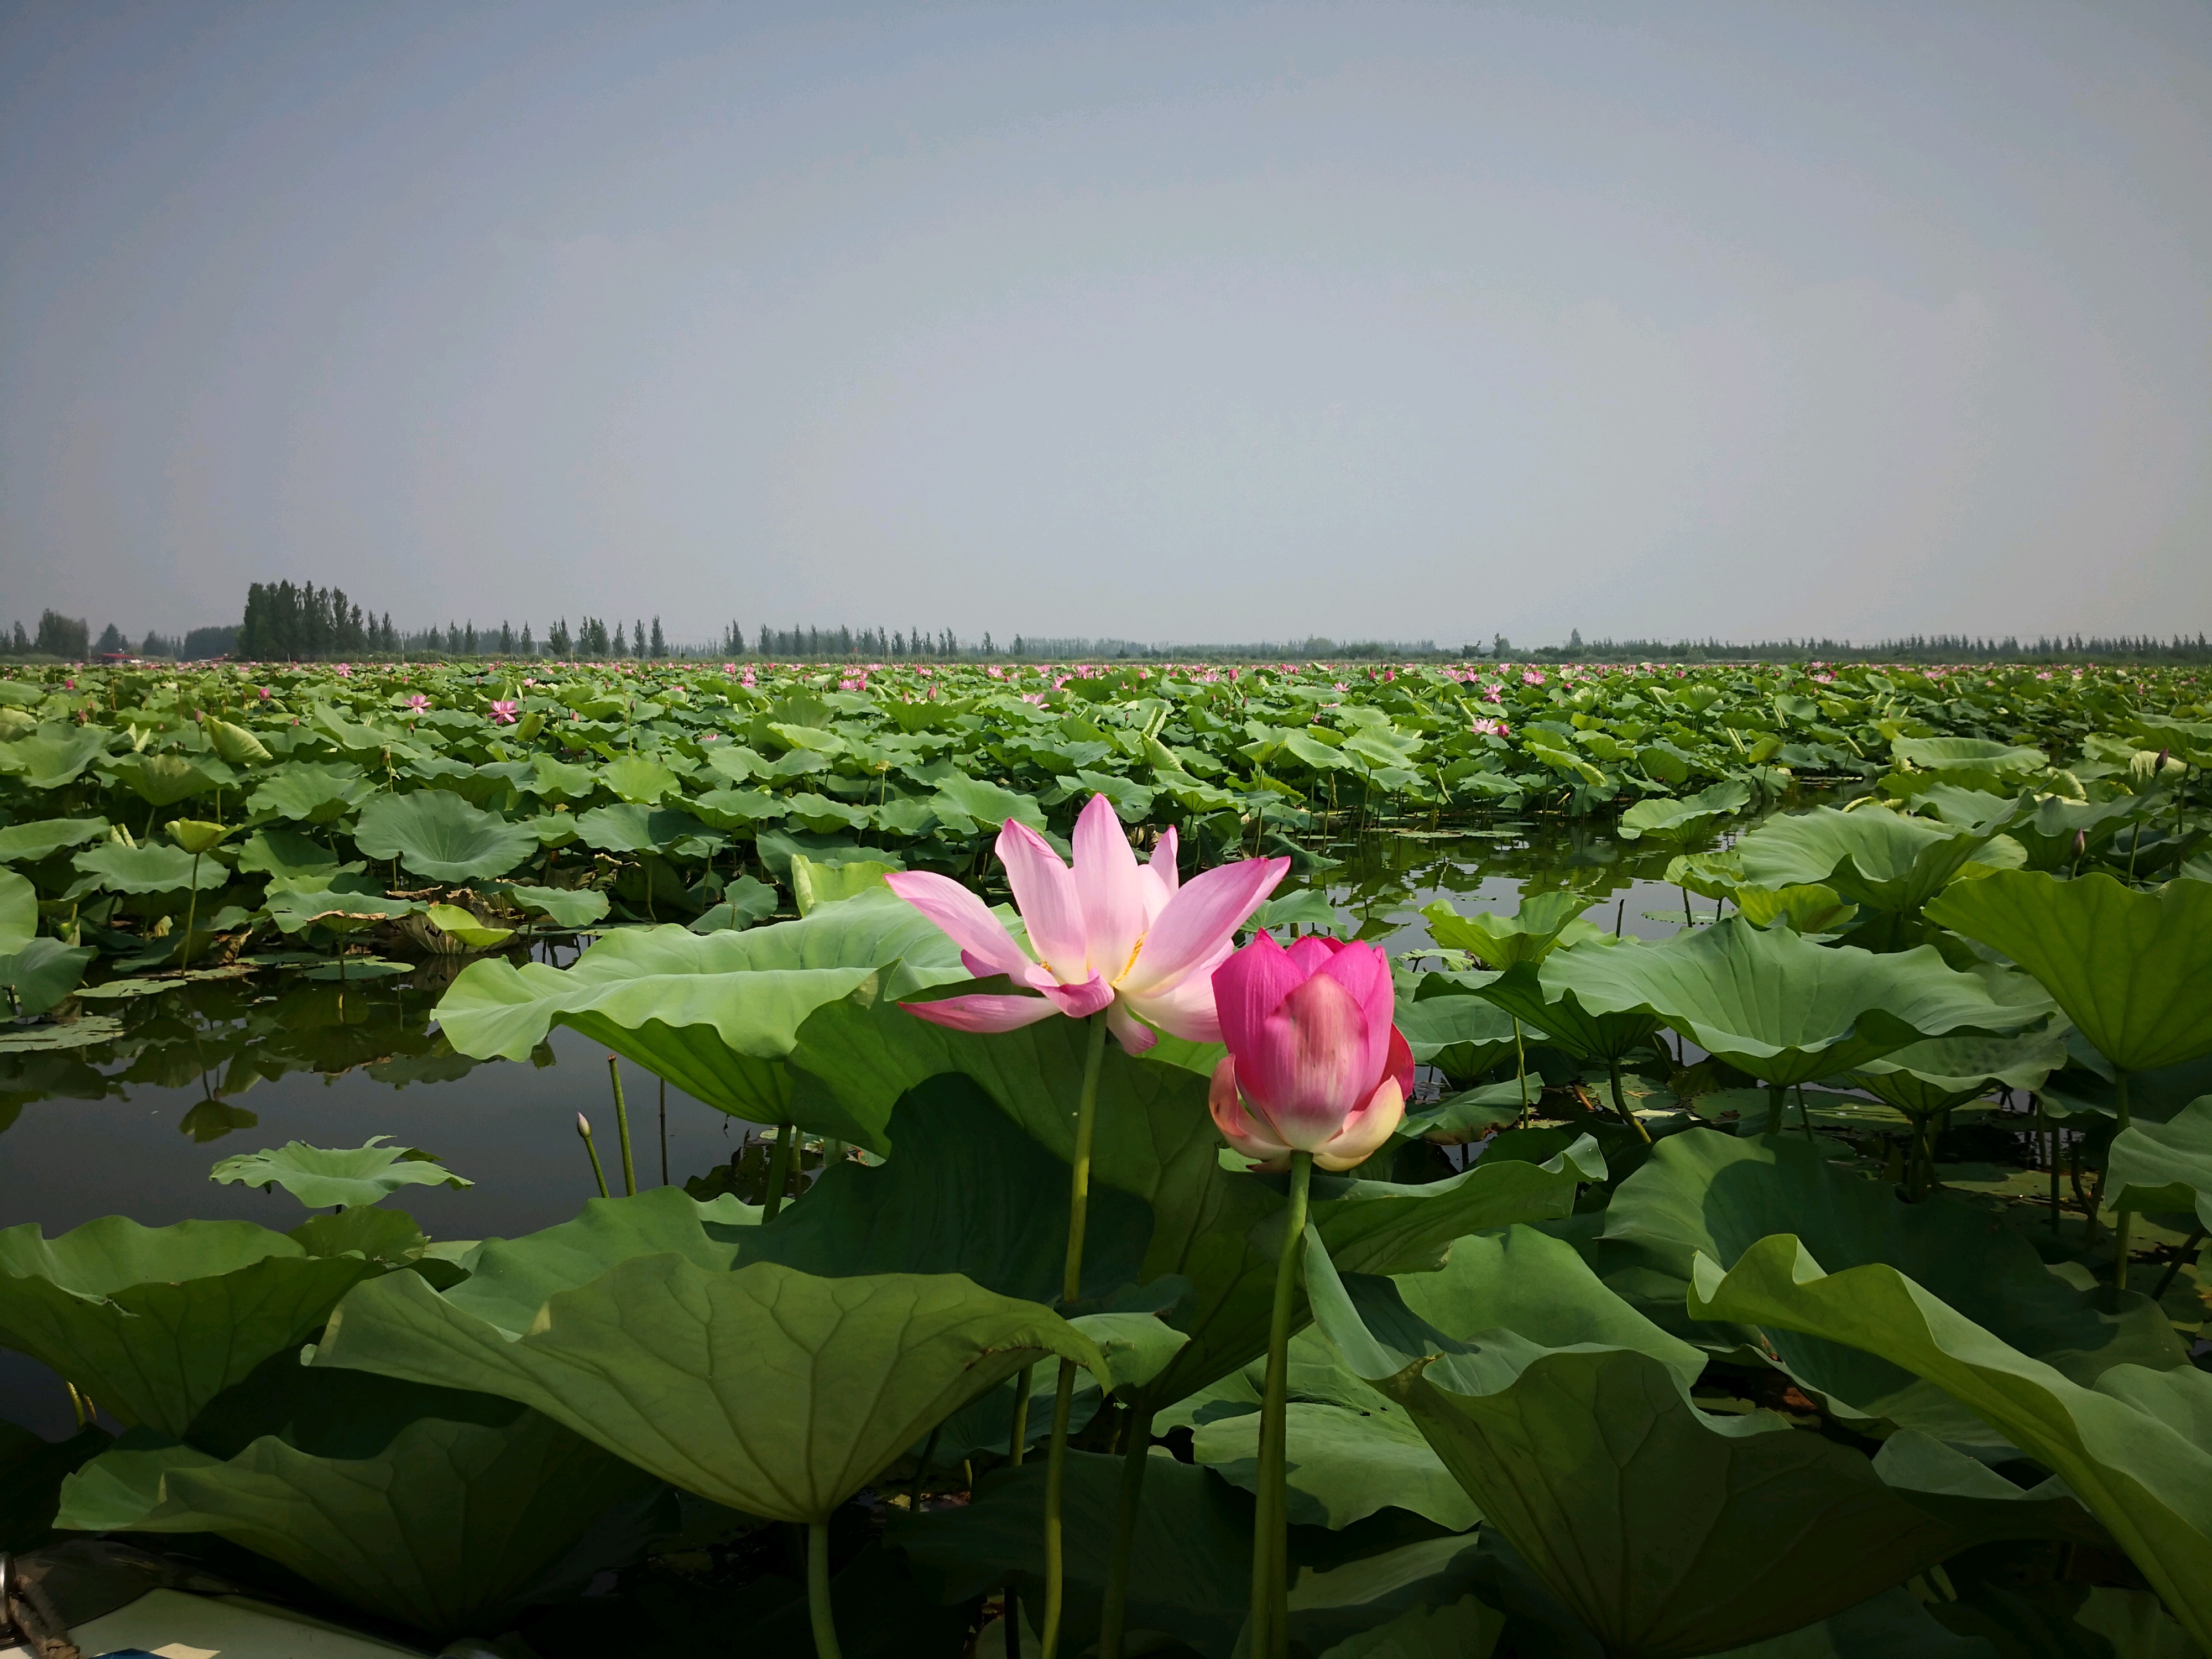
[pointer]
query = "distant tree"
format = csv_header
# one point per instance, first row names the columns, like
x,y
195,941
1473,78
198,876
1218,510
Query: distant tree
x,y
111,638
659,641
469,639
557,643
505,639
987,642
63,636
1499,645
529,645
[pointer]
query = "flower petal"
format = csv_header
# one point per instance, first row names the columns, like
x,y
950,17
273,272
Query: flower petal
x,y
1111,887
965,919
1162,864
1044,892
1366,1130
1186,1011
1312,1068
1247,1133
1247,987
1132,1033
1204,916
982,1012
1079,1001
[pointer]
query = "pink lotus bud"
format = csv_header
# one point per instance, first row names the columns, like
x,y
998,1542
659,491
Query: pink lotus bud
x,y
1314,1063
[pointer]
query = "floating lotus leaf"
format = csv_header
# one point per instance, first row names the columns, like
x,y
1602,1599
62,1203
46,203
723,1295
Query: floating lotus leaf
x,y
466,928
153,1323
2132,971
1782,1008
2136,1447
1678,820
1504,942
310,791
563,906
436,833
713,1013
1871,858
152,868
320,1175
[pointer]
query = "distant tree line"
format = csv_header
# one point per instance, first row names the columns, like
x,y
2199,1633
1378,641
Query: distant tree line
x,y
304,623
1915,647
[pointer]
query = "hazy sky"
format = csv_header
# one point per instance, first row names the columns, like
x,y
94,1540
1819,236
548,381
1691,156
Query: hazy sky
x,y
1168,322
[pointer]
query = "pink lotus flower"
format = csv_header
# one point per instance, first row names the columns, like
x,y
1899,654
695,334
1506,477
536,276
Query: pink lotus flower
x,y
1491,729
1108,933
417,703
345,671
1530,677
729,668
262,692
1314,1064
503,712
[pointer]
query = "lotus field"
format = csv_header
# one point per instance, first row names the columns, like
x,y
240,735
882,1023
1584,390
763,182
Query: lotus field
x,y
1143,1253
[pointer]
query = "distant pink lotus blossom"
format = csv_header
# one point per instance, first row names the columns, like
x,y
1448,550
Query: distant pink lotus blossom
x,y
417,703
503,712
729,668
995,671
1491,729
345,671
1109,934
1531,677
262,691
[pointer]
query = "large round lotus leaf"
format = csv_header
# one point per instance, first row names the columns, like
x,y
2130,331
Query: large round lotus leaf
x,y
1783,1008
640,779
53,755
153,868
715,1013
1873,858
2134,1447
631,827
1923,1078
26,843
1705,1192
769,1390
2166,1166
435,833
2132,971
164,779
1678,820
1977,754
153,1323
1568,1420
321,1176
1505,941
311,792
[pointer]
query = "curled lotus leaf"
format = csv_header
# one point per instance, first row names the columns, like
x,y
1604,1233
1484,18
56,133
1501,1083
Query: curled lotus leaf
x,y
436,833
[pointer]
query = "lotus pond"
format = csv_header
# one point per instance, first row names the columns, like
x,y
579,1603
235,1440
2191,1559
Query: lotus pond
x,y
1794,1240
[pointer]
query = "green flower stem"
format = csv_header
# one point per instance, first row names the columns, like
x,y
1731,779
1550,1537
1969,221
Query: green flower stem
x,y
779,1169
1774,1098
1018,1435
1070,1288
1134,1456
2123,1223
584,1129
818,1591
1620,1103
1269,1626
191,915
621,1127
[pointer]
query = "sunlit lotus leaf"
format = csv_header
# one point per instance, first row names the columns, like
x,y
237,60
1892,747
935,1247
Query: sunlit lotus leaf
x,y
435,833
769,1390
1504,942
629,827
813,884
40,972
1975,754
344,1176
640,779
54,756
1680,820
1781,1007
713,1013
153,1323
563,906
2132,971
276,851
152,868
311,792
464,927
562,780
969,807
2136,1447
27,843
2165,1166
1568,1420
234,743
19,912
1876,858
1809,908
1703,1193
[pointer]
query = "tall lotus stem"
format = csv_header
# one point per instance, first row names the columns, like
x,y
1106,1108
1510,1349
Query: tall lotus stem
x,y
1070,1288
2189,1245
2123,1223
1269,1631
1134,1456
779,1169
817,1591
622,1127
584,1128
191,915
1620,1104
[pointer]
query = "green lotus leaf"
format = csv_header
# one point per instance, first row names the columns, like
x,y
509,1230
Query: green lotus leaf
x,y
310,791
563,906
2136,1447
628,828
640,779
713,1013
234,743
1545,1000
1781,1007
41,972
1715,1195
153,1323
1462,1037
2165,1166
764,1388
562,780
436,1508
2048,834
163,779
464,926
2132,971
32,1471
1871,858
276,851
969,807
1680,820
1923,1078
152,868
19,912
436,833
1502,942
1976,754
1568,1420
1154,1140
293,909
816,884
347,1176
54,756
1810,908
27,843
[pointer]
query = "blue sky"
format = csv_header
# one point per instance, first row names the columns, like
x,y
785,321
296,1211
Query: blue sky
x,y
1166,322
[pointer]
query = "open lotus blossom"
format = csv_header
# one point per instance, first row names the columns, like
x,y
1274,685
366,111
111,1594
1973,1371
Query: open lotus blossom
x,y
503,712
418,703
1109,934
1314,1064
